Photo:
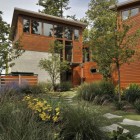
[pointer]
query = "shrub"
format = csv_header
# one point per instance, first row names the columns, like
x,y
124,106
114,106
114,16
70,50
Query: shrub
x,y
119,135
132,93
65,86
80,124
119,105
18,122
137,105
102,90
46,87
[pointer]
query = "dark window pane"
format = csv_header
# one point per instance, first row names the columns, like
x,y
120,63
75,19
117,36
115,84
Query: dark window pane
x,y
48,29
68,33
134,11
36,27
125,15
86,57
68,51
26,25
93,70
76,34
58,31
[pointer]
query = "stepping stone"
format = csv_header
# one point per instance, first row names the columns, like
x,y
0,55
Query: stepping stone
x,y
111,116
112,127
131,122
137,136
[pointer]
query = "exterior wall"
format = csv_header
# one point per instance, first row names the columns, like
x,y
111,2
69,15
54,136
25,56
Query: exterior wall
x,y
83,73
130,73
29,62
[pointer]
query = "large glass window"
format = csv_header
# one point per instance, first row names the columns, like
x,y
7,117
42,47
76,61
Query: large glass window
x,y
58,31
76,34
134,11
125,14
68,33
36,27
26,25
48,29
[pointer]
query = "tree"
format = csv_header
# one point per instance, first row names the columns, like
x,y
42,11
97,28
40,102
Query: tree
x,y
54,7
8,50
112,42
54,65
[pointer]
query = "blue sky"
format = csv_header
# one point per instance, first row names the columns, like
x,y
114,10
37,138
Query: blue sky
x,y
78,7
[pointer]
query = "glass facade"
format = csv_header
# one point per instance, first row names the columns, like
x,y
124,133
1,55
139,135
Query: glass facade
x,y
26,25
58,31
125,15
68,33
48,29
76,34
134,11
36,27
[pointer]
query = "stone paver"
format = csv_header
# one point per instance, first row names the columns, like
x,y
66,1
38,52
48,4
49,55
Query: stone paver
x,y
111,116
131,122
112,127
138,136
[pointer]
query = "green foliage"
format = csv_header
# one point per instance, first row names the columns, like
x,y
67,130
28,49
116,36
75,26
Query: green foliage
x,y
119,105
46,86
112,45
119,135
8,51
80,124
54,65
65,86
137,105
54,7
132,93
97,91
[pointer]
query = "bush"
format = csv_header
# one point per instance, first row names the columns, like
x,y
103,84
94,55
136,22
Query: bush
x,y
18,122
46,87
119,135
65,86
102,90
81,124
137,105
132,93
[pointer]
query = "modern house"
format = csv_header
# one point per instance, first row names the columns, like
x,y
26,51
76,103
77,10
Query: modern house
x,y
129,11
37,31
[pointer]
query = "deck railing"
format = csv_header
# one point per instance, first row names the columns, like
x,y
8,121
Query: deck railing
x,y
19,79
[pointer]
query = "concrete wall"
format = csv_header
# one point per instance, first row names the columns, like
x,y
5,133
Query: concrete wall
x,y
29,62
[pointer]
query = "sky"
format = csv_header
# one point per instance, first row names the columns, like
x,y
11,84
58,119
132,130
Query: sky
x,y
78,7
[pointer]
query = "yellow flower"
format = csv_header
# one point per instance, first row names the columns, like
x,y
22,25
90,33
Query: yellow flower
x,y
55,118
57,109
44,116
40,104
57,114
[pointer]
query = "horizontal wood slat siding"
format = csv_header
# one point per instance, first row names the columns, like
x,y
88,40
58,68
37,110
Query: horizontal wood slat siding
x,y
31,80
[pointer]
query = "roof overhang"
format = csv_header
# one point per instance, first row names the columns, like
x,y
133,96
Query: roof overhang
x,y
124,4
19,11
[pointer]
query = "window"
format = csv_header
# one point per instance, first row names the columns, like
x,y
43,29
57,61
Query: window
x,y
134,11
68,33
68,51
48,29
129,13
58,31
36,27
76,34
86,57
93,70
26,25
125,15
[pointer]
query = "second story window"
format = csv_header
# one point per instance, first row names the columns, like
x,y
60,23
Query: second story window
x,y
134,11
36,27
48,29
68,33
26,25
76,34
129,13
58,31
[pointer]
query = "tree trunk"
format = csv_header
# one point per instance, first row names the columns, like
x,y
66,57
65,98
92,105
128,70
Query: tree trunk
x,y
119,82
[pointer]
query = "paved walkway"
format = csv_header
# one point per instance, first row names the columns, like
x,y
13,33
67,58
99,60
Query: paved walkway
x,y
125,121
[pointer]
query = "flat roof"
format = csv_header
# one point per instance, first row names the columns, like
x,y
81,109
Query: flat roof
x,y
122,4
19,11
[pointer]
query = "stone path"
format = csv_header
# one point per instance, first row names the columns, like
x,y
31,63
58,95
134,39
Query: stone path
x,y
112,127
131,122
111,116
